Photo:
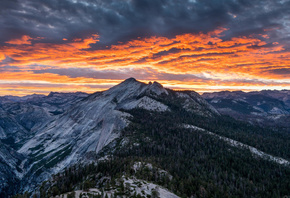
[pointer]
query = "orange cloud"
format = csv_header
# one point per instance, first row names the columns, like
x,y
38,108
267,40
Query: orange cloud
x,y
25,39
237,62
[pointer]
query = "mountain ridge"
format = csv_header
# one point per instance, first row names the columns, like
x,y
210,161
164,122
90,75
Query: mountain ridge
x,y
79,128
266,107
90,124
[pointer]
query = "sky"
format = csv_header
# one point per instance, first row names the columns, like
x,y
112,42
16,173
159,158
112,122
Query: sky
x,y
92,45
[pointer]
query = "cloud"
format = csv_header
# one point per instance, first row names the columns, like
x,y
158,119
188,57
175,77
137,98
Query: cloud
x,y
6,60
285,71
88,80
24,40
123,20
201,44
120,74
279,72
190,54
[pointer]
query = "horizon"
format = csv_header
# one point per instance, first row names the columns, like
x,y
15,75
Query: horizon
x,y
205,46
201,93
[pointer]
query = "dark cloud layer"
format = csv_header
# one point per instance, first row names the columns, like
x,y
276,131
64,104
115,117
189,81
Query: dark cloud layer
x,y
141,74
120,20
282,71
147,74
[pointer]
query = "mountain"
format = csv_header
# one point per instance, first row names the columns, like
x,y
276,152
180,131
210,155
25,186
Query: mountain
x,y
283,95
271,108
20,118
87,127
136,138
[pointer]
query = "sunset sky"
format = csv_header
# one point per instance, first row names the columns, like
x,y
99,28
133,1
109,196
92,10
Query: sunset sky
x,y
91,45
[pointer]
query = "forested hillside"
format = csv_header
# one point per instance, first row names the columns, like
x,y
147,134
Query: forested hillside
x,y
196,163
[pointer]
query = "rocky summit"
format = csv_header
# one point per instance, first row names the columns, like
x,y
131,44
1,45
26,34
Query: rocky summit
x,y
131,128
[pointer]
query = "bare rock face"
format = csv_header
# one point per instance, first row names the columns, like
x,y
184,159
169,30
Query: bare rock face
x,y
88,126
64,129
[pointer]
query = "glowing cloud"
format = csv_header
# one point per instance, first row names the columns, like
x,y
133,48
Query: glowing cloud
x,y
202,61
24,40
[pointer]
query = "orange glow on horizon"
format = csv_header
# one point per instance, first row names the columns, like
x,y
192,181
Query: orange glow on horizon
x,y
201,62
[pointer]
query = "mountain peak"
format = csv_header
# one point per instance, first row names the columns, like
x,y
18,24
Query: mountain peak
x,y
157,84
130,80
157,88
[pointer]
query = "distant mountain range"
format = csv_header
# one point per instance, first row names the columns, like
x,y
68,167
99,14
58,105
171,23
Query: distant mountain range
x,y
174,143
267,107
